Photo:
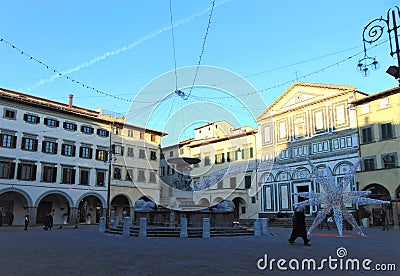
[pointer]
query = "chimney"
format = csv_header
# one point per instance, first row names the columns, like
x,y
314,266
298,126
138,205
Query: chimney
x,y
70,100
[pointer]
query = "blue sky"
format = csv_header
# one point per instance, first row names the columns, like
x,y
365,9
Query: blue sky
x,y
118,47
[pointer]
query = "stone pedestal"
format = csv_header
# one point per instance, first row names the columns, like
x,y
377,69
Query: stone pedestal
x,y
184,230
102,225
126,232
206,228
143,228
264,226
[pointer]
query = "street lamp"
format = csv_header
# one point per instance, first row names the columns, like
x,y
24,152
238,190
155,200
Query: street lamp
x,y
372,33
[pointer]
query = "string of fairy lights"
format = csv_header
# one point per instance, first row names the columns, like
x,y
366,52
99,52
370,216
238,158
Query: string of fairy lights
x,y
56,71
202,50
103,93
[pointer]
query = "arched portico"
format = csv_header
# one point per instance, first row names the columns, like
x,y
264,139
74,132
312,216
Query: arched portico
x,y
14,205
121,206
54,202
378,191
90,208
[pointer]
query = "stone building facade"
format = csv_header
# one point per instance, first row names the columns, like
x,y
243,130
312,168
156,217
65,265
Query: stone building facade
x,y
220,146
55,158
378,118
309,122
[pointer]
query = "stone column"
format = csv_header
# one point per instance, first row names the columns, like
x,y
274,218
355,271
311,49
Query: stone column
x,y
126,232
143,228
206,228
184,232
32,212
264,226
73,216
132,214
257,227
102,225
395,215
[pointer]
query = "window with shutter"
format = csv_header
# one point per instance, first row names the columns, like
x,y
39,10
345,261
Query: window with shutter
x,y
386,131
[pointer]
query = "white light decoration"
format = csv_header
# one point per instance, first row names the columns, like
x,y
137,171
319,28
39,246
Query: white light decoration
x,y
334,197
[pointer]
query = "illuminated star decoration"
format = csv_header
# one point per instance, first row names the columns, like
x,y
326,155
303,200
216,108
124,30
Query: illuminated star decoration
x,y
334,197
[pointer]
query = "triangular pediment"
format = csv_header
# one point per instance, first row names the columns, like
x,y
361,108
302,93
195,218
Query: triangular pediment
x,y
299,98
301,94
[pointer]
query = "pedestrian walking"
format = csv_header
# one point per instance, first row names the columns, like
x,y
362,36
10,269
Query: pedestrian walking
x,y
26,222
48,222
383,220
299,227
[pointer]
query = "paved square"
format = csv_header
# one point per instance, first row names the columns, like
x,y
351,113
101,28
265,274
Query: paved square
x,y
85,251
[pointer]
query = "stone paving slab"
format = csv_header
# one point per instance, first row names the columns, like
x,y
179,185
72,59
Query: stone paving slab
x,y
86,251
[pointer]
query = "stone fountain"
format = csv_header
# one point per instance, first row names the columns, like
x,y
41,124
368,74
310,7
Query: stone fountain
x,y
181,203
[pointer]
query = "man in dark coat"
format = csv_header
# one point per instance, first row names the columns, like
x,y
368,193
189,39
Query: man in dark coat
x,y
299,227
26,222
48,222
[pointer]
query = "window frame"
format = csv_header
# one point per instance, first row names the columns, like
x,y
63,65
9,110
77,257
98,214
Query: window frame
x,y
12,111
371,134
68,175
26,171
49,173
7,169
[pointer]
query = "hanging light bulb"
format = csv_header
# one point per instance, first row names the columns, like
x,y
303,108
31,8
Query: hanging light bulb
x,y
365,72
375,65
359,67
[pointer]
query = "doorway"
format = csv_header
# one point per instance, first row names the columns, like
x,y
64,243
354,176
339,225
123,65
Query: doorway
x,y
302,189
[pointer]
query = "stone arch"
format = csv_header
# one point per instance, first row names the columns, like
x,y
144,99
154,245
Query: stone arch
x,y
378,191
15,205
67,196
120,206
19,191
99,197
323,168
397,193
283,176
57,203
342,167
217,200
204,202
91,207
301,173
267,177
